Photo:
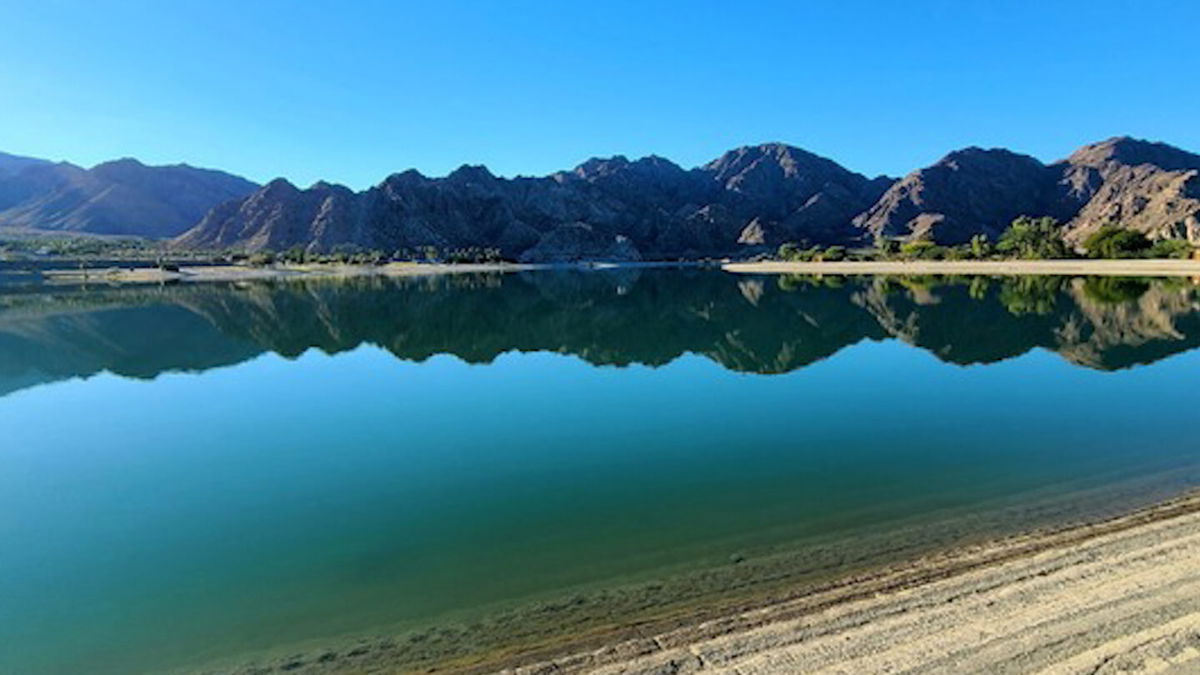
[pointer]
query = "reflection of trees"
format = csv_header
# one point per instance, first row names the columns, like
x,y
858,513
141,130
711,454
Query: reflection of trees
x,y
1030,295
1115,290
614,317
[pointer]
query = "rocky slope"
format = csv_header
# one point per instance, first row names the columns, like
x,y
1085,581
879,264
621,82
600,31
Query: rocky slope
x,y
122,197
748,199
1150,187
968,192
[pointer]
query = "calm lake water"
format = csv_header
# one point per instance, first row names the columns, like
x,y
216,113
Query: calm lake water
x,y
200,474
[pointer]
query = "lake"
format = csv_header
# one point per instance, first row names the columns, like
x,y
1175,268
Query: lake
x,y
461,466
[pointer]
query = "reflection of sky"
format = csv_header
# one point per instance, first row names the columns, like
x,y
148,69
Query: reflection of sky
x,y
293,499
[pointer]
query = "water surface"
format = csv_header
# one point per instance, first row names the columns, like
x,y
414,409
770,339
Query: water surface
x,y
198,473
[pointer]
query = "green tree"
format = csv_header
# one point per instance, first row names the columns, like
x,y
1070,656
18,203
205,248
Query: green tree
x,y
788,251
1116,242
980,247
886,247
833,254
262,259
1170,248
923,249
1033,239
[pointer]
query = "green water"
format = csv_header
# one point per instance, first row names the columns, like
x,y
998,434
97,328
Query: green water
x,y
194,474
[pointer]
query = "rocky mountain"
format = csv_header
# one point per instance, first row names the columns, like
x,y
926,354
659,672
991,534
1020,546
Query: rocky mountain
x,y
10,164
1150,187
747,201
967,192
123,197
751,198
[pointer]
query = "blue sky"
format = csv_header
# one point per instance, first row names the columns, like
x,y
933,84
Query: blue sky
x,y
352,91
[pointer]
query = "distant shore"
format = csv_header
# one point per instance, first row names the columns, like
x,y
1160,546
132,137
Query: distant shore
x,y
206,273
117,274
1123,268
227,273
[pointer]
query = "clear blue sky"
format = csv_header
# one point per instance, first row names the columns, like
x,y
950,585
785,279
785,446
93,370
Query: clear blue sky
x,y
352,91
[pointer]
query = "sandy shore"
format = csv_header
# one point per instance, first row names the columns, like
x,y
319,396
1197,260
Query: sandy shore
x,y
1120,596
1114,596
120,275
1125,268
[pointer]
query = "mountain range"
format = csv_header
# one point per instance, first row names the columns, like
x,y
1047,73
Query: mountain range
x,y
122,197
746,201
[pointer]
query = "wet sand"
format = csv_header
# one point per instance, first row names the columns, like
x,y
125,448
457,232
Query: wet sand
x,y
1125,268
1119,596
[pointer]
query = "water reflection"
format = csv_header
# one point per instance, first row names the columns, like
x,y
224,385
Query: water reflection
x,y
618,317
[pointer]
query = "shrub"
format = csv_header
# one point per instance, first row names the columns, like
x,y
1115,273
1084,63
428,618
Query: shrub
x,y
1033,239
1170,248
886,247
979,247
1115,242
789,251
923,249
295,254
833,254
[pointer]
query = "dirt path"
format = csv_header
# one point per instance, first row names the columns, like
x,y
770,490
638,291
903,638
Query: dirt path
x,y
1118,597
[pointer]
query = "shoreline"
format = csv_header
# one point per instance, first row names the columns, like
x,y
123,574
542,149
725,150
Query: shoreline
x,y
835,621
227,273
1074,600
1122,268
235,273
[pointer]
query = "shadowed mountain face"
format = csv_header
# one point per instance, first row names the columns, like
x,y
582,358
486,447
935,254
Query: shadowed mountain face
x,y
11,164
1124,182
747,201
748,324
605,209
124,197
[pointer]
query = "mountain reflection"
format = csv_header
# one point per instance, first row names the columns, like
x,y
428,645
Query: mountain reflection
x,y
615,317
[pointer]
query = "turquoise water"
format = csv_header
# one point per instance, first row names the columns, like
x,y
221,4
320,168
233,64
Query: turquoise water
x,y
190,474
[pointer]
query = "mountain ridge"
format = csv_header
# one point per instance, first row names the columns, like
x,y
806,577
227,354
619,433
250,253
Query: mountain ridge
x,y
118,197
747,201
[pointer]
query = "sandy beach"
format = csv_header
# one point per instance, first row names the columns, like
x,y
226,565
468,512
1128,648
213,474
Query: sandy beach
x,y
1120,596
1123,268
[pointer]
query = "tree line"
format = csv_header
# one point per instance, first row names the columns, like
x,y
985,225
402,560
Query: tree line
x,y
1025,239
